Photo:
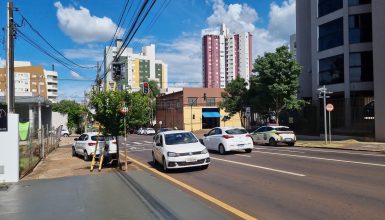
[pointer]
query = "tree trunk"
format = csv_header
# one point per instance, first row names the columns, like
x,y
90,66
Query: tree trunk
x,y
117,152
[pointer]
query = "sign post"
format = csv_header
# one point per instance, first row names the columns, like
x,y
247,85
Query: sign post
x,y
330,108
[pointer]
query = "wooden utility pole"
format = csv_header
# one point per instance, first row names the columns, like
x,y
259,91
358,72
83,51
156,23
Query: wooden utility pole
x,y
10,60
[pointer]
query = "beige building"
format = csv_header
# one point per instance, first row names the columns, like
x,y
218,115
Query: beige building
x,y
32,81
188,110
340,44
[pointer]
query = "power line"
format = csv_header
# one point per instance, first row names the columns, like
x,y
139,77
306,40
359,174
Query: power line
x,y
25,20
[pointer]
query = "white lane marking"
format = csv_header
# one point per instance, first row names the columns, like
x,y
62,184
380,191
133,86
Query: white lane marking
x,y
342,152
265,148
148,142
260,167
327,159
136,143
241,155
134,150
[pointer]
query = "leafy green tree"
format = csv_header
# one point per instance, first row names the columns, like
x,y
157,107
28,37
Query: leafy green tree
x,y
139,107
234,97
276,85
74,111
154,88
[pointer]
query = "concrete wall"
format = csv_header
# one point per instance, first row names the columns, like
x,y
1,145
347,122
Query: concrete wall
x,y
235,120
9,148
59,119
378,8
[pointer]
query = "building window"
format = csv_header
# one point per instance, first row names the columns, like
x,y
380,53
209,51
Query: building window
x,y
361,66
192,101
210,101
328,6
359,2
331,70
331,34
360,28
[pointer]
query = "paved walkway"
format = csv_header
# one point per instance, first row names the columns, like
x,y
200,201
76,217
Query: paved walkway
x,y
114,195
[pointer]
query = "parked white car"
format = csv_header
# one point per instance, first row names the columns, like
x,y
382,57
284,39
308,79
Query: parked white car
x,y
274,134
65,132
223,139
179,149
149,131
140,131
86,143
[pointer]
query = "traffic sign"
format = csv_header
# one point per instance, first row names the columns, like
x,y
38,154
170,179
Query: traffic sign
x,y
329,107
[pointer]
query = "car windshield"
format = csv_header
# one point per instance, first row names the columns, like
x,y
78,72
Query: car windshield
x,y
150,129
282,129
180,138
236,131
101,138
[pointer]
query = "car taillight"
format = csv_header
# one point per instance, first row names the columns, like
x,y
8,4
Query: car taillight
x,y
227,136
114,142
92,144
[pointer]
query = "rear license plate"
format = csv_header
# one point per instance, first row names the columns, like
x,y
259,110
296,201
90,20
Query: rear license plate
x,y
288,139
191,159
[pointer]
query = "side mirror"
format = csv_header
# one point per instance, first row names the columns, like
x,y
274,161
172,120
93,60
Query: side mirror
x,y
205,135
76,139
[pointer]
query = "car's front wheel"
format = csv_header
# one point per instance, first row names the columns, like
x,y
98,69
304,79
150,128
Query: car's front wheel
x,y
221,149
66,135
205,166
164,165
290,144
154,162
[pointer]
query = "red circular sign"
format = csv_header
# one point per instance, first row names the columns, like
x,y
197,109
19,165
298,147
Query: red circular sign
x,y
329,107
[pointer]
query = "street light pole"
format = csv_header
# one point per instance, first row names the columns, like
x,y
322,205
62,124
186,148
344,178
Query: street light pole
x,y
323,91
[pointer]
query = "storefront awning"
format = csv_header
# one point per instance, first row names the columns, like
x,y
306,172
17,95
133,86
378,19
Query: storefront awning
x,y
211,114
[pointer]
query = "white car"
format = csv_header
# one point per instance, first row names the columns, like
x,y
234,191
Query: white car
x,y
179,149
223,139
65,132
148,131
274,134
140,131
86,143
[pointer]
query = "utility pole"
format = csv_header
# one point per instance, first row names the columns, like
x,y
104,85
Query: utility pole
x,y
98,81
10,60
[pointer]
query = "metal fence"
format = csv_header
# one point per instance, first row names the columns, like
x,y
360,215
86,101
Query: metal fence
x,y
36,147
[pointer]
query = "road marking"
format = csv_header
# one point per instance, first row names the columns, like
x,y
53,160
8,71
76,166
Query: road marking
x,y
136,143
197,192
241,155
265,148
260,167
327,159
148,142
134,150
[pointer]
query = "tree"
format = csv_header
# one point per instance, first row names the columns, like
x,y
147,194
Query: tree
x,y
234,97
74,111
276,84
154,88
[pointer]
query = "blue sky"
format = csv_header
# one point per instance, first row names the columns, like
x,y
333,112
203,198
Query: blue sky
x,y
80,29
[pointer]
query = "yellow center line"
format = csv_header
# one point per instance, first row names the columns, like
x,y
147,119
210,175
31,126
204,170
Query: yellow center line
x,y
201,194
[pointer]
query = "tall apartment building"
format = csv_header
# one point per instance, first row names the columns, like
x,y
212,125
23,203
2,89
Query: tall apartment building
x,y
340,44
226,56
31,81
139,68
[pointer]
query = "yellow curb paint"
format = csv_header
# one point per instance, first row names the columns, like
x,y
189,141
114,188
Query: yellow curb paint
x,y
201,194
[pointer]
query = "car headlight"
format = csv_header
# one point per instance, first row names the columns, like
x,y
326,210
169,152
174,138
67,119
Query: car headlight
x,y
204,151
172,154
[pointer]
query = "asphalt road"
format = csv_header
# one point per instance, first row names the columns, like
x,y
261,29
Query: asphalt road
x,y
288,182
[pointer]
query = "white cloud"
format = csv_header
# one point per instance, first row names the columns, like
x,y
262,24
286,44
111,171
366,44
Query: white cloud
x,y
76,75
184,60
90,54
282,19
82,27
241,18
